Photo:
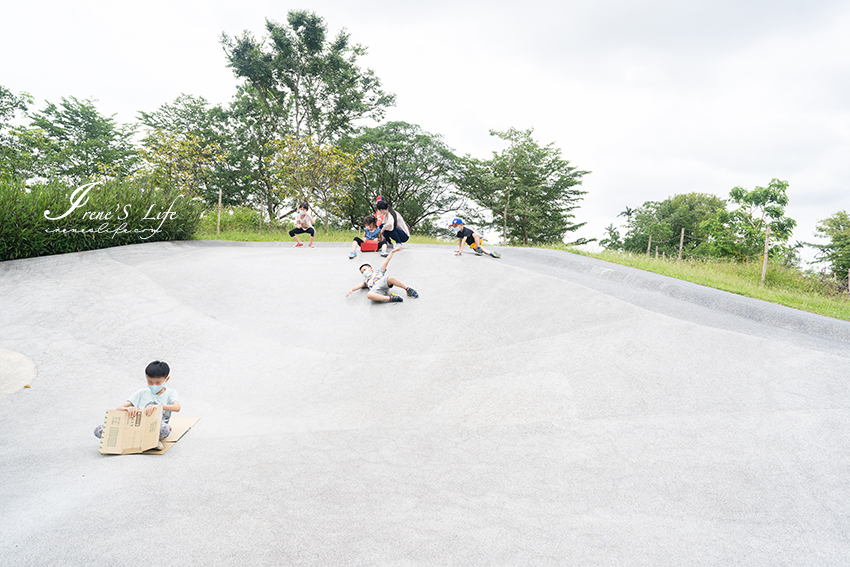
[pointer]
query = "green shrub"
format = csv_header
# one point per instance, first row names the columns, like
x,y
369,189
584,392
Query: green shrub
x,y
111,213
232,219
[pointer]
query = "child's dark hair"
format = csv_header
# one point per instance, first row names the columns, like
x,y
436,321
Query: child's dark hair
x,y
157,369
370,220
382,205
361,267
304,205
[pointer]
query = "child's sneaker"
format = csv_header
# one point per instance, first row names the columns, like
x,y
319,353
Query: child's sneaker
x,y
495,255
352,255
311,245
395,298
297,244
384,254
159,446
479,251
412,292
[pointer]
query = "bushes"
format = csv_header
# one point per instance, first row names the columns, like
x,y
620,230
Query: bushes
x,y
89,217
232,219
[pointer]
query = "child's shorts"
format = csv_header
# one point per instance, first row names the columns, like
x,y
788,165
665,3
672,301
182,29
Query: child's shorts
x,y
382,286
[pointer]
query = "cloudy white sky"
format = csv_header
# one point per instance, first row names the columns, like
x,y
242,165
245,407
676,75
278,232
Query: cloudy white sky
x,y
654,97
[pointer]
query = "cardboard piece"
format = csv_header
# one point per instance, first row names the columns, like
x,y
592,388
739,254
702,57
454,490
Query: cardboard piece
x,y
123,435
179,426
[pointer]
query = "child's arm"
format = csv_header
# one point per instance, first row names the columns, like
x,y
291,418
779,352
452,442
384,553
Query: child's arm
x,y
165,407
389,257
459,246
355,288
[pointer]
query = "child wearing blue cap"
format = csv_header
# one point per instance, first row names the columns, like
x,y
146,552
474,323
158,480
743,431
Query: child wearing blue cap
x,y
156,394
472,238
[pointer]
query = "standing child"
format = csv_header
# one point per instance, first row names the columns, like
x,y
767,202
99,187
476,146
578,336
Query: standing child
x,y
370,232
303,225
472,238
379,283
157,374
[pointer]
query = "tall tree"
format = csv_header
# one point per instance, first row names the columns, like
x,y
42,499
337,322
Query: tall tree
x,y
195,131
76,142
319,174
253,127
316,82
837,252
12,164
741,233
409,167
664,221
179,159
529,190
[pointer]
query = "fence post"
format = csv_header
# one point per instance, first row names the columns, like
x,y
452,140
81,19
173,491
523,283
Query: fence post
x,y
649,246
681,242
218,218
656,251
764,264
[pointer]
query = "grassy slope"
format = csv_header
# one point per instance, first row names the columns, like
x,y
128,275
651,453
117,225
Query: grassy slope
x,y
782,285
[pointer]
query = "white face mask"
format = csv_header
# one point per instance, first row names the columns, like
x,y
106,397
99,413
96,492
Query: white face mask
x,y
367,274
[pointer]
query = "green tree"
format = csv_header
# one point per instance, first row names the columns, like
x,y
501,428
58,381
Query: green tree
x,y
179,159
318,173
612,238
74,141
664,221
12,164
529,190
253,125
315,82
741,233
410,167
837,252
209,126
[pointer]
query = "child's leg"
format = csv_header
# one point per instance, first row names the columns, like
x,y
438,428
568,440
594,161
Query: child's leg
x,y
392,280
312,232
98,431
164,430
293,232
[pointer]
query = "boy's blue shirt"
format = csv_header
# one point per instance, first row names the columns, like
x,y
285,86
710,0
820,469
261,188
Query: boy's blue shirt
x,y
143,397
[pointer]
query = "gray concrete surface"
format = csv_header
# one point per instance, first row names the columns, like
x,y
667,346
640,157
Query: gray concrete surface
x,y
541,409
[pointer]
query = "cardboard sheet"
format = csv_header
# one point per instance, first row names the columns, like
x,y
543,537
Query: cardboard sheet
x,y
179,426
123,435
